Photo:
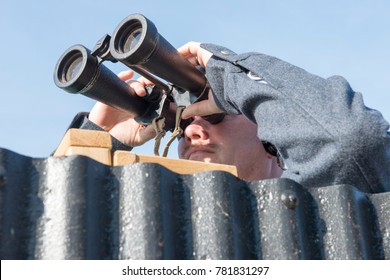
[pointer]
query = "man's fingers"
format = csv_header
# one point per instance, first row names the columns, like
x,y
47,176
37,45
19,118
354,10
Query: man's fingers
x,y
190,49
195,54
145,81
201,108
126,75
138,88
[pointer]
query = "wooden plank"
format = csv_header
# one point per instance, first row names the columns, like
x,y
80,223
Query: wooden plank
x,y
176,165
83,138
102,155
97,145
124,158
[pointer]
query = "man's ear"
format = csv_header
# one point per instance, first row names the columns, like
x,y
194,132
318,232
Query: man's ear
x,y
273,151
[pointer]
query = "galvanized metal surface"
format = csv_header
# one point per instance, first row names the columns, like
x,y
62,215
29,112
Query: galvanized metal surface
x,y
76,208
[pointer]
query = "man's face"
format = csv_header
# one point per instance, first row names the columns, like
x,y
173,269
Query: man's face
x,y
233,141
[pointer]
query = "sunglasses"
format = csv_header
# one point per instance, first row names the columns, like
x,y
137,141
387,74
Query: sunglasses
x,y
212,119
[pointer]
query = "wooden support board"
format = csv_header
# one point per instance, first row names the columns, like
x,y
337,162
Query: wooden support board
x,y
91,143
83,138
179,166
97,145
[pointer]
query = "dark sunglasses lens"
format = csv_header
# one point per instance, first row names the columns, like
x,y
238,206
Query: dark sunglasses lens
x,y
215,118
185,123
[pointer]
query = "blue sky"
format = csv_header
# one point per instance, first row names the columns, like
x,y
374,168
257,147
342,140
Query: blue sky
x,y
347,38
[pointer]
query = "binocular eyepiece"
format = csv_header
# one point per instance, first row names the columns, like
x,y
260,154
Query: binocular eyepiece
x,y
137,44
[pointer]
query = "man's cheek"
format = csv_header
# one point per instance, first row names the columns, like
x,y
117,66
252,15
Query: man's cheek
x,y
180,148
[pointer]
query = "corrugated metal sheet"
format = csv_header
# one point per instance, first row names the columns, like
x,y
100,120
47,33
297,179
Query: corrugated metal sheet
x,y
76,208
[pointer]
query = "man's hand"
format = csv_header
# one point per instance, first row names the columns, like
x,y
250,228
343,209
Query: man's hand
x,y
195,54
198,56
120,124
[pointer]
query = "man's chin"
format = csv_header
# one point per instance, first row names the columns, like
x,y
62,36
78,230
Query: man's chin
x,y
201,157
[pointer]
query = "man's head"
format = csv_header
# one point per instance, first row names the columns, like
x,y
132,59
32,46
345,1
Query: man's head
x,y
232,141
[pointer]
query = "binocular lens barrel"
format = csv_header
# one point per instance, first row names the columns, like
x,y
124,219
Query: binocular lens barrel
x,y
72,67
131,40
136,42
77,71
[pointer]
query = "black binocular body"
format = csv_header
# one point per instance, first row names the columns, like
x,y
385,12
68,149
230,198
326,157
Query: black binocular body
x,y
137,44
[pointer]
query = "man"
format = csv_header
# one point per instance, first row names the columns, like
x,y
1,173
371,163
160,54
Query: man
x,y
323,133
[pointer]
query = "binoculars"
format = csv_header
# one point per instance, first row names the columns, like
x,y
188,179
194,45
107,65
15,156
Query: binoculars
x,y
137,44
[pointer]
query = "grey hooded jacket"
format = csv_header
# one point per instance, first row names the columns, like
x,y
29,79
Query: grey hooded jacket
x,y
321,127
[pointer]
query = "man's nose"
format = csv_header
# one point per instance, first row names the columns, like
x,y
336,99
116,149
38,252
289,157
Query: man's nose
x,y
197,130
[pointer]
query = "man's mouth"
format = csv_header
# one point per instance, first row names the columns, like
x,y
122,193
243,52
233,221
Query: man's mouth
x,y
198,154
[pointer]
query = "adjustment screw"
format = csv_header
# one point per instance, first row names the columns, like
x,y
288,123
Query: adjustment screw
x,y
289,199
